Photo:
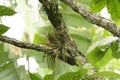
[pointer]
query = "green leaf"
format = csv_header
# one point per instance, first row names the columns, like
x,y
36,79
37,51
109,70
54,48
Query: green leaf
x,y
3,55
39,38
3,29
6,11
106,74
35,76
114,9
115,49
97,5
99,58
107,41
78,75
63,8
76,31
49,77
67,76
100,52
75,20
8,72
81,38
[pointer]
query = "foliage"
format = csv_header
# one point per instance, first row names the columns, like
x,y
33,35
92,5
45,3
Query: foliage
x,y
98,45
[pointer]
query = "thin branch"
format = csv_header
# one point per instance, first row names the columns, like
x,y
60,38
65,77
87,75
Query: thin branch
x,y
93,18
25,45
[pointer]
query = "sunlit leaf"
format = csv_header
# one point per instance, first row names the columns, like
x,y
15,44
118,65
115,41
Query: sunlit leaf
x,y
35,76
106,74
107,41
40,38
67,76
114,9
99,58
6,11
78,75
49,77
116,49
97,5
101,53
3,29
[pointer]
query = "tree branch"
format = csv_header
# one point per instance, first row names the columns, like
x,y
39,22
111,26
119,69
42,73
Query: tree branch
x,y
93,18
25,45
61,41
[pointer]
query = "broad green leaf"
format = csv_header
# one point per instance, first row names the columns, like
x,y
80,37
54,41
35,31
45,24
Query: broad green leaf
x,y
3,55
100,52
6,11
116,49
67,76
82,43
49,77
99,57
75,20
114,9
81,38
78,75
101,43
82,33
35,76
3,29
107,74
8,72
107,41
81,74
97,5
